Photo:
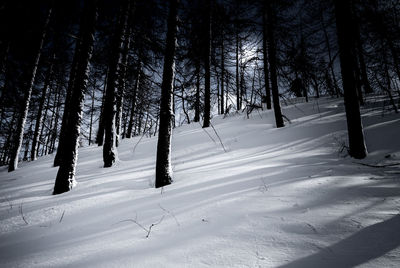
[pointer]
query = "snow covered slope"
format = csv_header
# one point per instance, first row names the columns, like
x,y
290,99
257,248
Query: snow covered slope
x,y
276,198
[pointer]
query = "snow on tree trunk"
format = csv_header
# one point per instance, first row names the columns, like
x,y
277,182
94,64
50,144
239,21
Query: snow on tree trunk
x,y
109,150
19,134
122,85
357,148
65,179
64,122
272,64
163,163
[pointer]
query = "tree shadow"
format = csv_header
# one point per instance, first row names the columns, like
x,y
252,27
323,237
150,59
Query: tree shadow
x,y
369,243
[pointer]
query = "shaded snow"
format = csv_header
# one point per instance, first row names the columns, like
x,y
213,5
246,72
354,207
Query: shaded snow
x,y
278,198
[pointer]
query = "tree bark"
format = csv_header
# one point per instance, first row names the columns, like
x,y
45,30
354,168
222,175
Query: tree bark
x,y
207,71
272,64
65,179
357,148
163,162
265,60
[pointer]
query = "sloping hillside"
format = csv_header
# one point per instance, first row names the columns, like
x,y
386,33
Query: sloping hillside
x,y
277,197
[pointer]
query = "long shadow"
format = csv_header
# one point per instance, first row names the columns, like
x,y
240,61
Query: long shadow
x,y
370,243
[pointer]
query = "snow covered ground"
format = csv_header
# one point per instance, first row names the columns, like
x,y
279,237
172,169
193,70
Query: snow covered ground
x,y
277,198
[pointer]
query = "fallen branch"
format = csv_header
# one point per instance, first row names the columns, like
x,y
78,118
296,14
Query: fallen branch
x,y
223,147
148,230
170,213
62,216
22,214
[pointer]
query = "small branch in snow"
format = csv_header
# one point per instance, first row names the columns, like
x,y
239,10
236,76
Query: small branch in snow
x,y
223,147
378,166
62,216
148,230
22,214
207,133
171,214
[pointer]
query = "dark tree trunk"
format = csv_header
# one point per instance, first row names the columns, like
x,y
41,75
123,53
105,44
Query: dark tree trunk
x,y
100,130
91,116
207,68
272,64
57,116
19,134
357,148
39,117
222,72
64,122
163,163
129,133
265,60
197,100
238,100
65,179
109,147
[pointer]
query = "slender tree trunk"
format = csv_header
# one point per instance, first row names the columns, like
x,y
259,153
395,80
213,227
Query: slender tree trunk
x,y
357,148
163,162
265,60
197,100
19,134
272,64
57,116
122,84
207,69
100,130
39,117
65,179
133,102
222,72
91,116
238,101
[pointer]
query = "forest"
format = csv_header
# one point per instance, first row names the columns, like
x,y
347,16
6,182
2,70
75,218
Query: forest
x,y
141,87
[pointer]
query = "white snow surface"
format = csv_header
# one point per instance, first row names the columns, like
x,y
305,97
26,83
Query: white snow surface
x,y
277,198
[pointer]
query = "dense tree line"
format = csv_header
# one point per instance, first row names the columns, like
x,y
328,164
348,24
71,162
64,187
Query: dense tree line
x,y
75,73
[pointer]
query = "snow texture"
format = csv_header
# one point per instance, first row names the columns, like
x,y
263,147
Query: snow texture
x,y
277,198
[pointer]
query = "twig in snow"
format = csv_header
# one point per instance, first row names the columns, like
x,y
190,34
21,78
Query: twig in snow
x,y
62,216
170,213
207,133
148,230
377,166
223,147
22,214
134,147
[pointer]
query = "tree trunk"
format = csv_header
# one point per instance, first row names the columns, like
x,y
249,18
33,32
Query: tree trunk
x,y
357,148
39,117
163,162
265,60
272,64
100,130
65,179
197,100
238,101
133,102
109,150
122,84
19,134
222,72
207,69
